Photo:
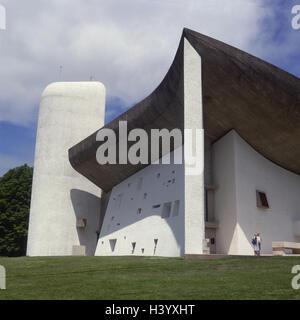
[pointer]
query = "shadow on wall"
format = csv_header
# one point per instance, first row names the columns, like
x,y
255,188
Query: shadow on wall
x,y
176,227
87,211
134,203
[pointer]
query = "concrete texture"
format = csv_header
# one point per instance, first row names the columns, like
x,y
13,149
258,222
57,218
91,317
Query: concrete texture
x,y
296,228
79,250
194,175
60,195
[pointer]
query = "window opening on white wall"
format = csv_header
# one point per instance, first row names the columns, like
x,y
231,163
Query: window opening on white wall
x,y
155,246
261,200
112,243
166,211
133,247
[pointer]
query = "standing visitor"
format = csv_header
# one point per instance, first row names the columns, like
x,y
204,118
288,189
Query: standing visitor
x,y
256,242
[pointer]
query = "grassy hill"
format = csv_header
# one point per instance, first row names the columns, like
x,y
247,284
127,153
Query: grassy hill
x,y
148,278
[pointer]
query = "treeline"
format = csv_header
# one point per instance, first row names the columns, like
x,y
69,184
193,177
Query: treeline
x,y
15,194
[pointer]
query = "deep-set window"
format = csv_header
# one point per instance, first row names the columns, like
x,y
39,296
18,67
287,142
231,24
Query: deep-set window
x,y
112,243
166,211
262,200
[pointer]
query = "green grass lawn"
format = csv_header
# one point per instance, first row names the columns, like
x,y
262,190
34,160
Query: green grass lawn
x,y
128,278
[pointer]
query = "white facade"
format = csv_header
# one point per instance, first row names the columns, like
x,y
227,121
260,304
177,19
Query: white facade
x,y
145,214
134,223
159,210
239,171
162,210
61,196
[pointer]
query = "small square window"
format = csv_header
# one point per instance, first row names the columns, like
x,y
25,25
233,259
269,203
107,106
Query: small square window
x,y
261,200
166,211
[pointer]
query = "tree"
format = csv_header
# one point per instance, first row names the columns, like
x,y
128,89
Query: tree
x,y
15,194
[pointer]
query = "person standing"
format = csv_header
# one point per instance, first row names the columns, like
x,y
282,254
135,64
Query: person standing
x,y
256,242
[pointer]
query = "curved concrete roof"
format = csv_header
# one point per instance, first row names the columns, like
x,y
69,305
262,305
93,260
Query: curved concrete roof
x,y
260,101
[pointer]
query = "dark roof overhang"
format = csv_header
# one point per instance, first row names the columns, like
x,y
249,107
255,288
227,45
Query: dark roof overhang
x,y
241,92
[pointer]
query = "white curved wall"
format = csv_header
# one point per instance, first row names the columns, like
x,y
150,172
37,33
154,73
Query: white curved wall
x,y
238,172
124,223
69,112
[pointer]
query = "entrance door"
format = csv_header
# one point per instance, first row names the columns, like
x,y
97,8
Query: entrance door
x,y
210,233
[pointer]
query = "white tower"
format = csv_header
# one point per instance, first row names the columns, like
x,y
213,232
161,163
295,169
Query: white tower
x,y
65,207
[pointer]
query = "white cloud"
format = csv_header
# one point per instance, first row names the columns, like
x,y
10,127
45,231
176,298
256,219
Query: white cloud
x,y
126,44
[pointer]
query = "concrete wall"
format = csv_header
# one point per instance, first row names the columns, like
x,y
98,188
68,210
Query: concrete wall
x,y
135,210
239,171
69,112
194,175
225,209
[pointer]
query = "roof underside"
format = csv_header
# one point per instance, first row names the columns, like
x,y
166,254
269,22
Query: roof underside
x,y
241,92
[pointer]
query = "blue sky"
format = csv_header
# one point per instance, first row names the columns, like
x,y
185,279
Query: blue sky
x,y
126,44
